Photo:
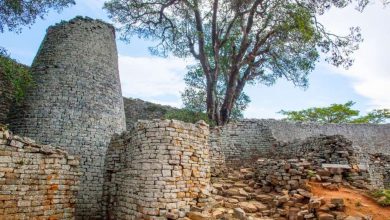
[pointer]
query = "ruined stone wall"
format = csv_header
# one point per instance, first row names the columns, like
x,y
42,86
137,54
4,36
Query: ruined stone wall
x,y
137,109
244,141
36,181
379,165
217,156
76,101
158,170
334,149
324,154
372,138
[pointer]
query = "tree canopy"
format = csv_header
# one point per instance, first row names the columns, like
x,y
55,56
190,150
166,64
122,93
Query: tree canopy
x,y
239,41
337,113
194,95
14,14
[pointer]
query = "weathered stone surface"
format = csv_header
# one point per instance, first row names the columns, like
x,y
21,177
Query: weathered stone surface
x,y
239,213
77,101
151,171
248,207
325,216
198,216
37,182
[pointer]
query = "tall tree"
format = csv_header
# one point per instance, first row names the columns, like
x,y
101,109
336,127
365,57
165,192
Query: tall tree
x,y
194,96
242,41
337,113
14,14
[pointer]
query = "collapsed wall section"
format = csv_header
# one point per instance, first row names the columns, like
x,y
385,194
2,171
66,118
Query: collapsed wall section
x,y
158,170
37,181
76,101
371,138
243,142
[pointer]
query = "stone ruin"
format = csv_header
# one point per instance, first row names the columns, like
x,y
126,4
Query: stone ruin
x,y
155,169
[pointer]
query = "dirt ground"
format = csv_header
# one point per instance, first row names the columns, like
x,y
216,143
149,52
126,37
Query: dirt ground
x,y
357,204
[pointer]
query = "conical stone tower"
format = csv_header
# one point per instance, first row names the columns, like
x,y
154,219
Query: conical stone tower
x,y
76,102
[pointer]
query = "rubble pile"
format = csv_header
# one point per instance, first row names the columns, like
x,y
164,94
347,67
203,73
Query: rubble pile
x,y
239,195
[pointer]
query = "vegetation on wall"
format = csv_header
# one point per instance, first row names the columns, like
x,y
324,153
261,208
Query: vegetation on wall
x,y
337,113
17,74
188,116
382,196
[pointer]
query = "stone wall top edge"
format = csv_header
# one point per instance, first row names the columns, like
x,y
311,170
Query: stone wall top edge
x,y
141,124
24,142
83,20
306,123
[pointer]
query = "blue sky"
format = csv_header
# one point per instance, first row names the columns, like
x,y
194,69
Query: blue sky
x,y
367,82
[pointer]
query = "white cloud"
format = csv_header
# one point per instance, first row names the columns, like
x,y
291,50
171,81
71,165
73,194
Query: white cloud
x,y
152,76
370,73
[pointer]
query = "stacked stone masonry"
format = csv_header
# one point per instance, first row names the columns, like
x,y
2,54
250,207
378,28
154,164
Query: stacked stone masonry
x,y
158,170
324,158
245,141
37,181
76,101
137,109
256,137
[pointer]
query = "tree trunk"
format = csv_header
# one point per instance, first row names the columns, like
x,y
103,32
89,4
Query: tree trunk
x,y
212,106
228,101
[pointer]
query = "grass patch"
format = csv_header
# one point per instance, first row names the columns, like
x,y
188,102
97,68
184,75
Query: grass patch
x,y
382,196
188,116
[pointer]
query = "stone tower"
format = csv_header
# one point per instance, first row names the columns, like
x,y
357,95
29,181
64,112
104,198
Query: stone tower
x,y
76,101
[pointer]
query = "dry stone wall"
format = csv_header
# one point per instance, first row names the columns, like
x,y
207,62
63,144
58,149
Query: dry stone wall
x,y
76,101
334,149
330,158
217,156
380,170
137,109
36,181
372,138
244,141
158,170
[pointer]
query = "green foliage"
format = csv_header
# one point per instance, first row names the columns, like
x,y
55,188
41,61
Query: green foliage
x,y
382,196
311,173
17,13
188,116
236,43
194,95
337,113
376,116
18,75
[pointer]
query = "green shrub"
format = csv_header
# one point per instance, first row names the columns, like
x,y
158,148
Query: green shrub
x,y
188,116
382,196
17,74
311,173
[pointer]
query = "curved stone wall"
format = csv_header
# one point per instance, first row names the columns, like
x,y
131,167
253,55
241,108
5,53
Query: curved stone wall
x,y
76,101
158,170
